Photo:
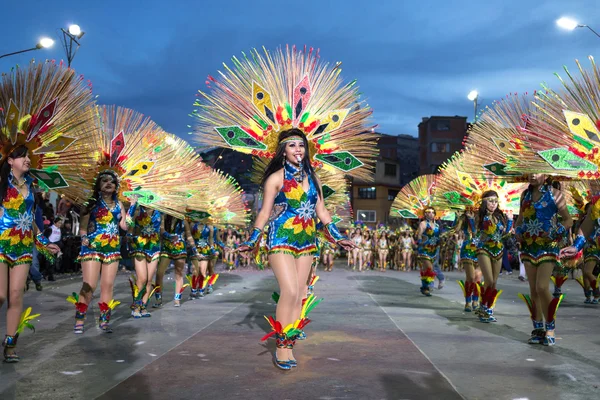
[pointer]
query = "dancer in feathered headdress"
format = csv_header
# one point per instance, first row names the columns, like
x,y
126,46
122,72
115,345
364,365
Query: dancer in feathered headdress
x,y
289,107
44,108
537,228
461,188
135,158
221,203
415,201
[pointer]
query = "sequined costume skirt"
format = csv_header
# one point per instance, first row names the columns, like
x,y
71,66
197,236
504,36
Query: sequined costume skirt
x,y
468,252
536,253
292,237
205,252
148,248
18,253
427,252
490,249
591,252
173,249
103,248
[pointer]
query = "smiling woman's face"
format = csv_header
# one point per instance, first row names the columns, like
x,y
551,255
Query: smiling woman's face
x,y
295,151
20,165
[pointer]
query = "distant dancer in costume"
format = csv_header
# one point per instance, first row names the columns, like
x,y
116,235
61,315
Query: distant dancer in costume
x,y
145,244
468,259
428,237
175,234
492,225
100,251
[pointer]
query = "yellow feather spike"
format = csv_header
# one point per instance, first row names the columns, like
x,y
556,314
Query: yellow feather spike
x,y
113,303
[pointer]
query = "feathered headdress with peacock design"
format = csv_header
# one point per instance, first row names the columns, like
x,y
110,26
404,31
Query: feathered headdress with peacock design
x,y
265,93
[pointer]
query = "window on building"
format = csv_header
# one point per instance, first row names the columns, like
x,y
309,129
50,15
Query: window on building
x,y
437,147
392,194
442,125
367,215
367,193
390,170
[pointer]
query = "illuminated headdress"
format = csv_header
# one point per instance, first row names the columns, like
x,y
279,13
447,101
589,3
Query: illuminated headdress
x,y
415,198
564,130
493,142
458,187
216,199
47,108
264,94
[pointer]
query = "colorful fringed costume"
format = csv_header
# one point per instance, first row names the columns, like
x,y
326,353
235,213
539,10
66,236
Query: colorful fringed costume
x,y
540,229
267,94
411,202
146,234
103,234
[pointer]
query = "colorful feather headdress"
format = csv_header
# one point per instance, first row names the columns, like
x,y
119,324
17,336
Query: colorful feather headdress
x,y
415,197
216,199
493,141
564,130
49,109
458,188
266,93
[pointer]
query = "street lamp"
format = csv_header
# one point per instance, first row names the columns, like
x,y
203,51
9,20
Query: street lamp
x,y
44,43
70,41
474,97
570,24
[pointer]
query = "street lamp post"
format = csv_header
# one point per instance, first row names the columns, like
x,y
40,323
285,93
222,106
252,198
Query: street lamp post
x,y
70,41
44,43
474,97
570,24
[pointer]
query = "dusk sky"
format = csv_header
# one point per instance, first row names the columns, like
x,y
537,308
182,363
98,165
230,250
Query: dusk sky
x,y
411,58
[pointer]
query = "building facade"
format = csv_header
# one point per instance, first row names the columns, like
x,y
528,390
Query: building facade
x,y
396,165
439,138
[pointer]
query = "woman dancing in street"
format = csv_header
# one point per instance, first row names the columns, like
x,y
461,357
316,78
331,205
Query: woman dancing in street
x,y
173,232
145,253
428,237
539,234
200,258
357,251
468,259
367,249
408,244
100,251
382,250
291,187
492,224
16,226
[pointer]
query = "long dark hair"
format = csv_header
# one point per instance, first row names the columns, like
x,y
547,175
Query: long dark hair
x,y
169,227
498,214
96,192
18,152
277,162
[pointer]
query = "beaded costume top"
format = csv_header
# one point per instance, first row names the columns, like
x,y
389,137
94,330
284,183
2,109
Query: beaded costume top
x,y
103,227
147,227
16,219
293,227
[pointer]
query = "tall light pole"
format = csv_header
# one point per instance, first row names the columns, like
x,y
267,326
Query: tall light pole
x,y
474,97
70,40
44,43
570,24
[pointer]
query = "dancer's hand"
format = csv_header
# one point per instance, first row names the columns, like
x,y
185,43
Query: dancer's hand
x,y
347,244
54,249
568,252
243,248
